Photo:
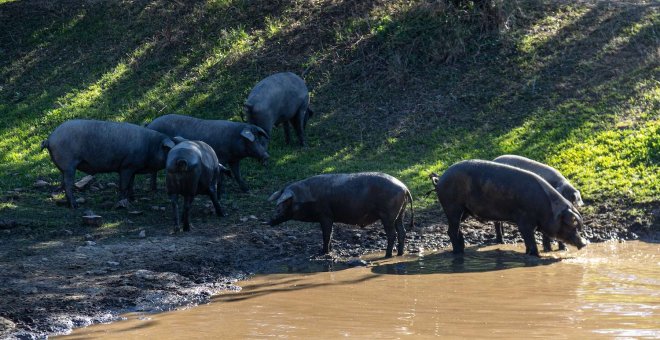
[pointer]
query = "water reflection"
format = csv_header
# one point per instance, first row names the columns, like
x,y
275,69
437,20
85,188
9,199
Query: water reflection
x,y
472,261
604,290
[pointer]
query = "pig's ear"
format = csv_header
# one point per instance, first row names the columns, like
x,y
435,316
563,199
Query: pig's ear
x,y
168,143
275,195
286,195
178,139
261,131
247,134
571,218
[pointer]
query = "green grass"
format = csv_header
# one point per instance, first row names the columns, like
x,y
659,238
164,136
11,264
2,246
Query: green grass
x,y
404,87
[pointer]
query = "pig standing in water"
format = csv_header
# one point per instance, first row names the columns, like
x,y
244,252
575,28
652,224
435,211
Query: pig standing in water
x,y
550,175
359,199
231,141
192,168
281,98
95,146
501,192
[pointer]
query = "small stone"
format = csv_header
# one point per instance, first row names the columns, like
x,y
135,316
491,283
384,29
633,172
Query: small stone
x,y
124,204
162,208
243,219
135,212
142,234
40,184
82,183
89,237
356,262
94,188
111,185
18,189
90,243
93,220
253,217
155,208
80,200
68,232
112,263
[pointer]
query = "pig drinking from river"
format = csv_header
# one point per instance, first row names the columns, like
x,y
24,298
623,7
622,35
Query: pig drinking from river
x,y
550,175
192,168
95,146
281,98
358,198
231,141
500,192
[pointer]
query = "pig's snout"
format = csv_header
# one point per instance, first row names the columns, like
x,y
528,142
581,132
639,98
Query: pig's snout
x,y
580,242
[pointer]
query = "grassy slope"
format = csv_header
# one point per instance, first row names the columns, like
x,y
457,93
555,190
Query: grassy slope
x,y
405,87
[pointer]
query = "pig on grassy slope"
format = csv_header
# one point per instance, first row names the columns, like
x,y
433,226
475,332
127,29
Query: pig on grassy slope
x,y
231,141
358,199
281,98
192,168
94,146
550,175
500,192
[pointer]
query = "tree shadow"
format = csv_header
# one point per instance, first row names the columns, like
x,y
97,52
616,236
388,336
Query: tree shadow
x,y
472,261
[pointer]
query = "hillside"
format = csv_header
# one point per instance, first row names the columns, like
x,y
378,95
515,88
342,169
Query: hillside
x,y
403,87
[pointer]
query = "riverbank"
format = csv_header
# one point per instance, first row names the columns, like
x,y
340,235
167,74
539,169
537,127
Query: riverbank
x,y
73,278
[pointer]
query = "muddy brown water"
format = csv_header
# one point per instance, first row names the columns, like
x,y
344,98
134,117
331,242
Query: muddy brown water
x,y
605,290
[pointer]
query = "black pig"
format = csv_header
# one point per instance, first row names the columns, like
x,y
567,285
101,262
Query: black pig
x,y
94,146
359,199
192,168
550,175
281,98
231,141
500,192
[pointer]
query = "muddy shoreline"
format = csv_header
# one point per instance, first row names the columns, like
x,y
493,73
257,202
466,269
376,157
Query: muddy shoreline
x,y
72,279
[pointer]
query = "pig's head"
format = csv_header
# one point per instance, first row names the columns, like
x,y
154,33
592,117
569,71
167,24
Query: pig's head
x,y
571,194
255,141
285,206
159,157
569,226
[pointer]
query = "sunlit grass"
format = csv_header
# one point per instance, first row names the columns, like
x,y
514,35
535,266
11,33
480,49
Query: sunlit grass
x,y
403,87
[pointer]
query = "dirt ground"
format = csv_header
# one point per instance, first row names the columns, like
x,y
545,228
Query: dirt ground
x,y
55,281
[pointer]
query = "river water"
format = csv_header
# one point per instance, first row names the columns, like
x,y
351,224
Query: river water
x,y
606,290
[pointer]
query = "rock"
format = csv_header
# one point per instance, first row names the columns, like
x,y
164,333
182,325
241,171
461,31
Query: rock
x,y
82,183
113,263
89,237
6,326
135,212
40,184
67,232
357,262
93,220
124,204
80,200
142,234
243,219
90,243
253,217
111,185
155,208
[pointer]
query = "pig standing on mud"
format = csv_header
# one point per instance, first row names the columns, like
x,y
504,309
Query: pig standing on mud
x,y
95,146
550,175
500,192
281,98
359,199
231,141
192,168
